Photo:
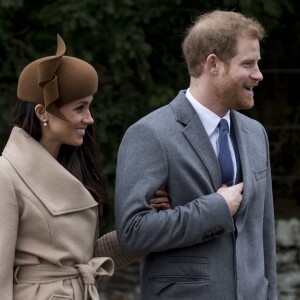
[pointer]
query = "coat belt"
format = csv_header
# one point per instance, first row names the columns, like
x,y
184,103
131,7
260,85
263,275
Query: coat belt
x,y
91,272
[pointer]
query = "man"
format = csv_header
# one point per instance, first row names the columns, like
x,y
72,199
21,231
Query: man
x,y
218,241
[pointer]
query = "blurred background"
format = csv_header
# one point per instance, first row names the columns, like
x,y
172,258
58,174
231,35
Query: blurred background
x,y
136,48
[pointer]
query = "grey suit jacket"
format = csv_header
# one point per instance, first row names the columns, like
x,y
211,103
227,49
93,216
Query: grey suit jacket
x,y
197,250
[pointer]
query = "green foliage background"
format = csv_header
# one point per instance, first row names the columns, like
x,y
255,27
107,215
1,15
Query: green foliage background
x,y
136,48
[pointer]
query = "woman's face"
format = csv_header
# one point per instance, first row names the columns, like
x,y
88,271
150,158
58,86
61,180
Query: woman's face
x,y
58,131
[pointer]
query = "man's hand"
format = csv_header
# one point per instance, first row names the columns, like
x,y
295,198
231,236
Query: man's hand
x,y
161,200
233,195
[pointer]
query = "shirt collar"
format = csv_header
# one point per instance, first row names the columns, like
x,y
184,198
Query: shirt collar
x,y
209,119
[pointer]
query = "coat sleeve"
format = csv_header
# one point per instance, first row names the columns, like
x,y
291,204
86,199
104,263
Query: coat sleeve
x,y
9,218
142,169
108,246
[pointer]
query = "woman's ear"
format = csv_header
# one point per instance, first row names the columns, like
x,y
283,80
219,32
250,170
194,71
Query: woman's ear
x,y
41,113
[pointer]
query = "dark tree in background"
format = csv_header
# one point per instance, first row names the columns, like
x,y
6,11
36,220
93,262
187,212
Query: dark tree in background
x,y
136,48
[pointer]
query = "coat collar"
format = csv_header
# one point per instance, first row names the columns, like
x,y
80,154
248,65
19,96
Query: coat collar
x,y
56,188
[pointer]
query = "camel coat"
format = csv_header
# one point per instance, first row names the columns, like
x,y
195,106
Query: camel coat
x,y
48,228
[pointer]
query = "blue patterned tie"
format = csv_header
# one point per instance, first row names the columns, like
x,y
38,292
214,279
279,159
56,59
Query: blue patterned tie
x,y
225,159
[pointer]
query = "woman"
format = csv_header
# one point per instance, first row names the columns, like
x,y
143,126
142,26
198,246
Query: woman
x,y
53,197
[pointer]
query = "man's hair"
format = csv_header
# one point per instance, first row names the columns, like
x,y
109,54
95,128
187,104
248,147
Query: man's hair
x,y
217,33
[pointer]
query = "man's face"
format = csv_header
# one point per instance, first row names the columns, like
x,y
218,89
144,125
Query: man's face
x,y
235,83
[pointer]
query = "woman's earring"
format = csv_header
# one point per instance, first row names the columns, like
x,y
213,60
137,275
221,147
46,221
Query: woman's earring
x,y
45,122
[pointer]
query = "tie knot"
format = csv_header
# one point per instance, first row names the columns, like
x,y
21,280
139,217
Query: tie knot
x,y
223,125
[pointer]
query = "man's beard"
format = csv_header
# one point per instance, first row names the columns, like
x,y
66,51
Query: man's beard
x,y
232,94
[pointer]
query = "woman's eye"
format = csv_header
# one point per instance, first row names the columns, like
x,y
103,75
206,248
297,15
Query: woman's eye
x,y
79,108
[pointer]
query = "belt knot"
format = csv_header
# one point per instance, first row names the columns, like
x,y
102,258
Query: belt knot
x,y
93,271
87,272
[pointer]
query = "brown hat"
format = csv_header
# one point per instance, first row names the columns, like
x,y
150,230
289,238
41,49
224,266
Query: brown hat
x,y
57,80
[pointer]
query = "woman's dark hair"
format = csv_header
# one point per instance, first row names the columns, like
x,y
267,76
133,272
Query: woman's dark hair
x,y
82,162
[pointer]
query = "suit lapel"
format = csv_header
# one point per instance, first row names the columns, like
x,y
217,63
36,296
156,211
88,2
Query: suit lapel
x,y
195,133
246,156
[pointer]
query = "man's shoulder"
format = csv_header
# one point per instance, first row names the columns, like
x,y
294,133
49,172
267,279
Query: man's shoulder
x,y
165,112
253,128
157,114
246,121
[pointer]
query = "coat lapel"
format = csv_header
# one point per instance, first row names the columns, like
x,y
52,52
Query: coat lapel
x,y
55,187
195,133
242,131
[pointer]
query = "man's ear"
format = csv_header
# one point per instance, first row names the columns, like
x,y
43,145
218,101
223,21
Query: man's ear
x,y
212,64
40,112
